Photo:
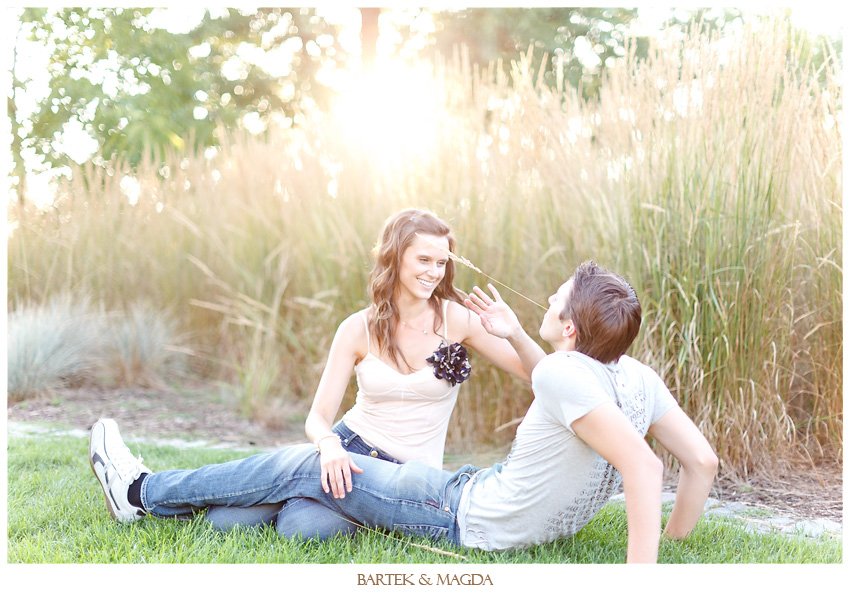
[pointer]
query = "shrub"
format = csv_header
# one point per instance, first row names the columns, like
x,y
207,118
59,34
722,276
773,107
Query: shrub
x,y
141,347
66,342
51,346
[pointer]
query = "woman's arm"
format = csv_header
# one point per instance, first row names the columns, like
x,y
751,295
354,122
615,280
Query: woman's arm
x,y
497,334
346,348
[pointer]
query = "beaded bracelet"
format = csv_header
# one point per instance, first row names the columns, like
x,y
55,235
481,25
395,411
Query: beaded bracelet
x,y
319,442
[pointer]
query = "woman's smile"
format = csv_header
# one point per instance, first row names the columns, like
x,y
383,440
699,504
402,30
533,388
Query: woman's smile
x,y
423,266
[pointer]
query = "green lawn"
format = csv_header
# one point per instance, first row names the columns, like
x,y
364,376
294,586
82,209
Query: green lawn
x,y
56,514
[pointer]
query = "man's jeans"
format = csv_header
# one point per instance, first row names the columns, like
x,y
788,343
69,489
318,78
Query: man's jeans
x,y
411,498
299,517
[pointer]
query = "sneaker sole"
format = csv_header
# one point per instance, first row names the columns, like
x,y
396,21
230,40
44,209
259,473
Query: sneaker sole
x,y
103,485
105,498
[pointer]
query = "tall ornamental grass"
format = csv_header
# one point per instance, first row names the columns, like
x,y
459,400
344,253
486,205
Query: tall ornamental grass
x,y
50,346
70,342
733,175
708,174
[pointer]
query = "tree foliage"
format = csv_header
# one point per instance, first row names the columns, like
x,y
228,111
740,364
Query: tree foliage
x,y
134,87
816,49
138,89
585,40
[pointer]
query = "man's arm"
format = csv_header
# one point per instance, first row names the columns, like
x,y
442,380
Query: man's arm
x,y
608,432
678,435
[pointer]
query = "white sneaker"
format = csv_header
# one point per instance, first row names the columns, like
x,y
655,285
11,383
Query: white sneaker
x,y
115,468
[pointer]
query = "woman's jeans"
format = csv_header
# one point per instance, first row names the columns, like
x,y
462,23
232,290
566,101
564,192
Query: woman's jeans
x,y
411,498
299,517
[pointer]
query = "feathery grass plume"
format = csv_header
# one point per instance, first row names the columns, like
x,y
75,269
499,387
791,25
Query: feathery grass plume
x,y
139,347
51,346
468,263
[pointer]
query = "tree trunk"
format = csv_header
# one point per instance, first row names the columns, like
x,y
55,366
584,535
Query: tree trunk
x,y
18,168
369,35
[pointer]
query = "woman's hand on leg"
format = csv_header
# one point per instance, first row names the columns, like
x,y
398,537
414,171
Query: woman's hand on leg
x,y
337,467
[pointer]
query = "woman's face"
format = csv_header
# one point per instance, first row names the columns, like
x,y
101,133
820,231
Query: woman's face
x,y
423,266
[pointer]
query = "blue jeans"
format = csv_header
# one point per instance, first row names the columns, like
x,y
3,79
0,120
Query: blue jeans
x,y
410,498
299,517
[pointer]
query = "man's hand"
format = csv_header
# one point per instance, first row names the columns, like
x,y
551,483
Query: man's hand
x,y
496,316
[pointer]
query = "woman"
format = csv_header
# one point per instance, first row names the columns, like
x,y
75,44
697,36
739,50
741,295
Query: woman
x,y
408,352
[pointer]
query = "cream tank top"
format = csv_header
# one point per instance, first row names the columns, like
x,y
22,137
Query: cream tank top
x,y
406,415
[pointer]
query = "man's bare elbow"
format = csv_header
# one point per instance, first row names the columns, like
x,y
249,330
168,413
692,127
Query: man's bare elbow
x,y
657,467
711,463
705,463
645,471
652,467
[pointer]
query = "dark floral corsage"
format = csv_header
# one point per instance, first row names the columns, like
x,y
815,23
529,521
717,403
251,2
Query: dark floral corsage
x,y
451,363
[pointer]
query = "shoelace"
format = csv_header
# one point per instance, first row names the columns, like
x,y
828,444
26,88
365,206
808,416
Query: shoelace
x,y
126,465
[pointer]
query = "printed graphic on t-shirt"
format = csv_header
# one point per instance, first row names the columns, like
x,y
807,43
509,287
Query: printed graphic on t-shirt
x,y
603,480
635,410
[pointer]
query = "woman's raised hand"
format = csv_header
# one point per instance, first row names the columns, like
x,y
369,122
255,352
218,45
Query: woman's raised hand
x,y
496,316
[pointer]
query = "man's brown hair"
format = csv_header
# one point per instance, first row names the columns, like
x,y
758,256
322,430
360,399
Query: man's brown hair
x,y
605,311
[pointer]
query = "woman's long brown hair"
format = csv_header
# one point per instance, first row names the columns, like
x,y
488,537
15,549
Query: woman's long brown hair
x,y
399,232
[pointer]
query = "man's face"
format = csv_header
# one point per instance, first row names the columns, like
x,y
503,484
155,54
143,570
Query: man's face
x,y
551,329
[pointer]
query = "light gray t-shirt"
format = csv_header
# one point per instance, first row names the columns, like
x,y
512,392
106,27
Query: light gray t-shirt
x,y
552,482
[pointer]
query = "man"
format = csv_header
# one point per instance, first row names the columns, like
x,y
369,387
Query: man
x,y
582,436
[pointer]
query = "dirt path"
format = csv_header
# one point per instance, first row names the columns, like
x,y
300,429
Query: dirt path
x,y
191,414
202,414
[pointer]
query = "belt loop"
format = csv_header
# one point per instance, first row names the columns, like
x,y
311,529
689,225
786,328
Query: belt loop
x,y
345,433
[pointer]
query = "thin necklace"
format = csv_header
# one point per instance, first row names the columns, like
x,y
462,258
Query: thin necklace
x,y
424,329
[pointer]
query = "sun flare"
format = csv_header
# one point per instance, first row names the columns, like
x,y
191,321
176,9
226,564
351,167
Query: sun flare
x,y
393,112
